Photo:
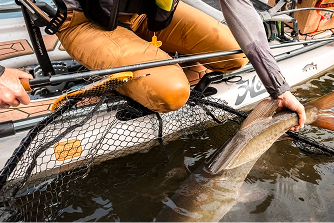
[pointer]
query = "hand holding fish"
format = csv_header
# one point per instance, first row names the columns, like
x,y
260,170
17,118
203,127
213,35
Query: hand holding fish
x,y
287,100
11,91
210,192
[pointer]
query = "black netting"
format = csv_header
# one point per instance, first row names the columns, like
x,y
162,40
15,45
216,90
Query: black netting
x,y
60,151
310,145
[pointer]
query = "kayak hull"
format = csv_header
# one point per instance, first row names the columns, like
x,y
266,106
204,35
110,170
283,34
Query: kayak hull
x,y
241,91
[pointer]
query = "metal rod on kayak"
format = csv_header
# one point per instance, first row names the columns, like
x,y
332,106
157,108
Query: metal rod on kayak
x,y
303,9
12,127
44,81
280,57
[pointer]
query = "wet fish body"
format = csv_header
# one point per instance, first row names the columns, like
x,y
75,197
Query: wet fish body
x,y
211,191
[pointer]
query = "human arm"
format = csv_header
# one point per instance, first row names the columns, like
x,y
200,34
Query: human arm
x,y
247,28
206,8
11,91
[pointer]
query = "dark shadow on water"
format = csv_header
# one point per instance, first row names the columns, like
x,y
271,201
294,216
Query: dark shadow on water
x,y
132,188
286,184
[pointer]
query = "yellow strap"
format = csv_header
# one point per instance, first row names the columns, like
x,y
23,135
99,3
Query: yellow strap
x,y
95,89
164,4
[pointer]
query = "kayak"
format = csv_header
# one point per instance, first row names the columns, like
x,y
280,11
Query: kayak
x,y
299,62
43,150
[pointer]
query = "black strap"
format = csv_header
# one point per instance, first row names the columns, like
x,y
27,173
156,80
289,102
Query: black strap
x,y
58,19
103,13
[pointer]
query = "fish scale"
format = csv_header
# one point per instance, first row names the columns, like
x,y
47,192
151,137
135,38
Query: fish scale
x,y
225,171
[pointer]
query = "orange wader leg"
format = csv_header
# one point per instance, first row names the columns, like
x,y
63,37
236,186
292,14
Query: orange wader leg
x,y
165,89
193,32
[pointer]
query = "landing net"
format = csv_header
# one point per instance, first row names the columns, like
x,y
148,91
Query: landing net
x,y
87,130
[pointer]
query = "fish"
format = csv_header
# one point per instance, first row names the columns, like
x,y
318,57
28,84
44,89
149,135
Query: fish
x,y
310,67
211,190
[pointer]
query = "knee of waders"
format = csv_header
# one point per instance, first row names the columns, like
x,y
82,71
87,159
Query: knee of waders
x,y
171,98
228,65
233,65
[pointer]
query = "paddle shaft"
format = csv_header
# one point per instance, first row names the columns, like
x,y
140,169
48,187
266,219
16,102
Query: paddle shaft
x,y
56,79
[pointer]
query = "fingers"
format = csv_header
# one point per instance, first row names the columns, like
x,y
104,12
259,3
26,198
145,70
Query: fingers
x,y
15,97
24,99
302,116
13,103
21,74
7,98
12,92
289,101
300,110
22,96
3,106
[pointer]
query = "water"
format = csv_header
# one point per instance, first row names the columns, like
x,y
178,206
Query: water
x,y
286,184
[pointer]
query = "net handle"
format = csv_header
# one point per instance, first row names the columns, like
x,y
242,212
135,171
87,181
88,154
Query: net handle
x,y
25,84
18,153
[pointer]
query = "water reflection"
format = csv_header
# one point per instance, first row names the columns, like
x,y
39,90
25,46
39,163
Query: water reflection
x,y
299,185
286,184
293,181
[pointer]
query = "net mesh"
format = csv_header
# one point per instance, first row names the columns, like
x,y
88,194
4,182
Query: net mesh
x,y
86,130
310,145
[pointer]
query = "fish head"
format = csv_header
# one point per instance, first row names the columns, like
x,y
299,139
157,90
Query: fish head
x,y
263,127
246,144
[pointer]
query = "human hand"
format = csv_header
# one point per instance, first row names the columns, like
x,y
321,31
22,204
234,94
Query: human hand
x,y
287,100
11,91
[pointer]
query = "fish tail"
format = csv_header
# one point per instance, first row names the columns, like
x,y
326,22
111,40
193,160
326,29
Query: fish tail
x,y
325,121
325,118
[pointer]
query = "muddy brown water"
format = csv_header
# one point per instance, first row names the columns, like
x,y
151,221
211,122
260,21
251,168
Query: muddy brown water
x,y
286,183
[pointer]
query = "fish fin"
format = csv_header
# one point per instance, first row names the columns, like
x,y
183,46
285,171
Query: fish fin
x,y
325,121
325,118
323,103
264,109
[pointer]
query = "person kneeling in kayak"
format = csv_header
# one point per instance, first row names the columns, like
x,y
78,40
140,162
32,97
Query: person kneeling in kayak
x,y
91,36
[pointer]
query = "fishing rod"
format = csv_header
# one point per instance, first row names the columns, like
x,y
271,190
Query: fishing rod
x,y
56,79
302,9
8,128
